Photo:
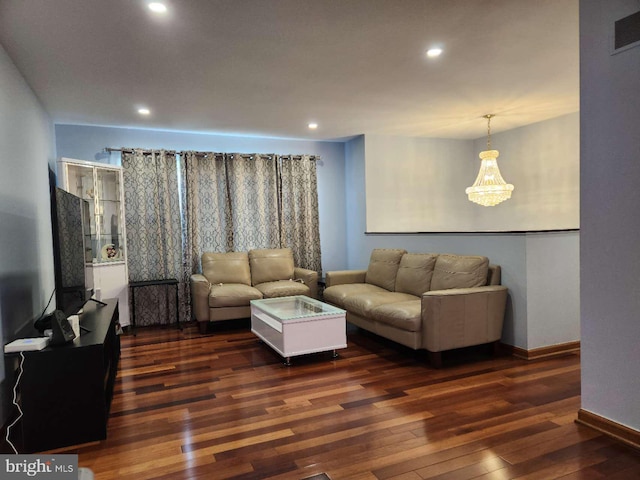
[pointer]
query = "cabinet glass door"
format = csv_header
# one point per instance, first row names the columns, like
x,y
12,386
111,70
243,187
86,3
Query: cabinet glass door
x,y
108,220
101,187
80,182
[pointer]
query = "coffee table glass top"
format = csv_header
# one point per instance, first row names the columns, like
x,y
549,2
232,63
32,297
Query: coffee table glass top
x,y
290,308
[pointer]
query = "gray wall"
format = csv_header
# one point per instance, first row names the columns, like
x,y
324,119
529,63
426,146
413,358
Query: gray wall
x,y
610,250
426,178
88,143
26,249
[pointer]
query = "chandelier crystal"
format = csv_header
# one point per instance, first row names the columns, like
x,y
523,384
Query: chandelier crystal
x,y
489,188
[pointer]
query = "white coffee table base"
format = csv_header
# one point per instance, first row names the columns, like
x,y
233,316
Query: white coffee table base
x,y
300,336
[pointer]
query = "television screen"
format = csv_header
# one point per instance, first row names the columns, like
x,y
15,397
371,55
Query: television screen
x,y
70,217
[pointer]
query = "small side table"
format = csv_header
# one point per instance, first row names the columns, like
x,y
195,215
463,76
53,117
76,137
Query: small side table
x,y
322,284
149,283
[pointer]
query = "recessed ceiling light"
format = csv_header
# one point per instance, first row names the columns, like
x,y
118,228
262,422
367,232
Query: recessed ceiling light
x,y
313,126
158,7
144,111
434,52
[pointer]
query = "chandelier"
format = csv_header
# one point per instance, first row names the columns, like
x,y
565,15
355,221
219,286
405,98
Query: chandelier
x,y
489,188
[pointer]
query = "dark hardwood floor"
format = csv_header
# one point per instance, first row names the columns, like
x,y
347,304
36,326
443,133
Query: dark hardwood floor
x,y
222,405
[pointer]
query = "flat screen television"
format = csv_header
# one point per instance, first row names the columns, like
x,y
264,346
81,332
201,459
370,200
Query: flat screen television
x,y
69,222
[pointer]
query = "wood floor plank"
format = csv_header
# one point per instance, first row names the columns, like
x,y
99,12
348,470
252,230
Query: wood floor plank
x,y
470,465
222,406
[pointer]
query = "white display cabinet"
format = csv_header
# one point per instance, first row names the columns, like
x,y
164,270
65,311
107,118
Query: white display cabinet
x,y
101,185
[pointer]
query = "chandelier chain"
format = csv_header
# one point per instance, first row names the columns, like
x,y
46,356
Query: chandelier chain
x,y
488,117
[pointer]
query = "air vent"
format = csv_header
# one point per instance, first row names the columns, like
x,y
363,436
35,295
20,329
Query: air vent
x,y
626,33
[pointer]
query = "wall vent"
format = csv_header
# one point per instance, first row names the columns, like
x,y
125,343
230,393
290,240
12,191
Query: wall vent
x,y
626,33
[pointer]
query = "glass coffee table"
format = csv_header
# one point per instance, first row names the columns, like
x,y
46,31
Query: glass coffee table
x,y
298,325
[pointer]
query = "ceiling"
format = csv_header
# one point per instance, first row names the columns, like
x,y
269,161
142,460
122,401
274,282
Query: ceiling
x,y
269,67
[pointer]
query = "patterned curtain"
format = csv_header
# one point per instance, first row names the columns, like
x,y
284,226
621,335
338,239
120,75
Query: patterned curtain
x,y
237,202
299,222
206,206
230,202
253,193
154,232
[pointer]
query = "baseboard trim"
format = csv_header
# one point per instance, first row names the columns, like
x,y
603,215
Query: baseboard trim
x,y
624,434
543,352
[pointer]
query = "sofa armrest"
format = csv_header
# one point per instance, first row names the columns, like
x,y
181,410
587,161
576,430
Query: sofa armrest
x,y
340,277
462,317
200,288
309,277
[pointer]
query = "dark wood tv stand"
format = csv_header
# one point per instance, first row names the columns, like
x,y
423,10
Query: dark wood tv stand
x,y
65,391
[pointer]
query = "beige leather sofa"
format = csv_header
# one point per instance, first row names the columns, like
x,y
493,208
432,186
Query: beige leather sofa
x,y
435,302
229,281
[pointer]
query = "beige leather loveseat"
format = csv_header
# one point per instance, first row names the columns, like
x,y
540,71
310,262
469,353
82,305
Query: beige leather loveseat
x,y
229,281
435,302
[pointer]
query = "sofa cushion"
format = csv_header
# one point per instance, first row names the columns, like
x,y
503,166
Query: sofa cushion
x,y
337,293
363,303
383,267
232,295
459,271
270,265
415,272
231,267
403,315
283,288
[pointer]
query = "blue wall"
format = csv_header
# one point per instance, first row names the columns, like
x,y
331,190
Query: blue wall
x,y
539,292
26,248
88,143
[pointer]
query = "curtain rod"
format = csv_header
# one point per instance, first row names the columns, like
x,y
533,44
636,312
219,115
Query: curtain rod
x,y
218,154
243,155
250,155
132,150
